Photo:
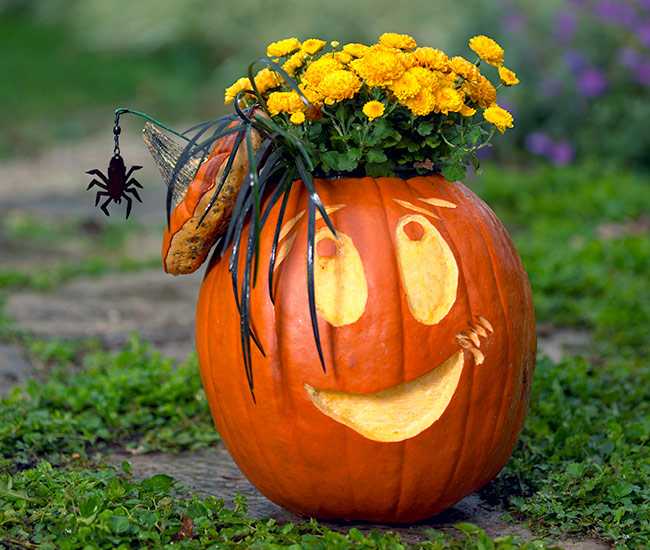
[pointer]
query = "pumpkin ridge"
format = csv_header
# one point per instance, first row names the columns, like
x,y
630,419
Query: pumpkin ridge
x,y
469,417
507,389
510,323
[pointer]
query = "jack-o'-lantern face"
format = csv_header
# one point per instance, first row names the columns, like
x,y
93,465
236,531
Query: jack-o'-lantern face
x,y
426,327
429,279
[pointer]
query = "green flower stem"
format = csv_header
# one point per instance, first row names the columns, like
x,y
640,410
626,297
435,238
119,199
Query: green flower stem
x,y
122,111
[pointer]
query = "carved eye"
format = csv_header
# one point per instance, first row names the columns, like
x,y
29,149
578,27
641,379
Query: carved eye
x,y
427,267
339,278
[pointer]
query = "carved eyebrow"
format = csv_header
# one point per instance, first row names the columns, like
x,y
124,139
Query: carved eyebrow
x,y
439,202
288,226
329,210
411,206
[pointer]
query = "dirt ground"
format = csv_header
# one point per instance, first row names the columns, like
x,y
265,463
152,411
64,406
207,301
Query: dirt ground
x,y
160,308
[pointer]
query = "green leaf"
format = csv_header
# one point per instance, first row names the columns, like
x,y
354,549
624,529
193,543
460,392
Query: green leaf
x,y
376,156
425,128
453,172
119,524
330,161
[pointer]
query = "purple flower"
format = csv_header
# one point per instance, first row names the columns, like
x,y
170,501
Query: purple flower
x,y
642,72
592,82
514,22
575,60
629,57
566,26
615,11
539,143
644,4
643,34
562,153
558,153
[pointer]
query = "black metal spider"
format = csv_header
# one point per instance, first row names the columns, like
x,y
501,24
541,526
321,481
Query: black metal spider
x,y
116,185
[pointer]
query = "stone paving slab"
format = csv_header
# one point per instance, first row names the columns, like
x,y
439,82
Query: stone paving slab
x,y
158,307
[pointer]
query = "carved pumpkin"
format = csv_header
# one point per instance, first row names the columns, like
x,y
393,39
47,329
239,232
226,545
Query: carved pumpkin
x,y
428,335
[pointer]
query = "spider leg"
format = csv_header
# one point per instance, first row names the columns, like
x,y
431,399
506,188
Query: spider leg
x,y
135,182
103,206
131,171
98,183
96,172
129,204
134,193
101,194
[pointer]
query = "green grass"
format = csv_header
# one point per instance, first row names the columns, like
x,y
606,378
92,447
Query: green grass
x,y
134,399
582,467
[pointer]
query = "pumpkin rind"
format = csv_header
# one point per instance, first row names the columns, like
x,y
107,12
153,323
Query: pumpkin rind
x,y
186,242
308,462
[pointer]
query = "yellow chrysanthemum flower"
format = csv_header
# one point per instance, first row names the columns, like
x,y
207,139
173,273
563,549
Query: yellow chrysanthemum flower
x,y
464,68
265,80
406,86
423,103
338,86
487,49
408,60
467,111
343,57
399,41
424,76
284,102
498,116
297,118
283,47
356,50
242,84
508,77
320,68
446,80
374,109
292,64
448,100
313,45
482,93
378,68
431,58
313,96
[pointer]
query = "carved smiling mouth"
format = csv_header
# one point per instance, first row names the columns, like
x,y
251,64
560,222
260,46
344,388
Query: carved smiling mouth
x,y
398,412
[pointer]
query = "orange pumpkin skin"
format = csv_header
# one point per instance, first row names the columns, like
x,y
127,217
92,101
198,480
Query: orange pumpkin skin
x,y
312,464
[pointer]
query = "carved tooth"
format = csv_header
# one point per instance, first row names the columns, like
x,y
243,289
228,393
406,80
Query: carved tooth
x,y
485,323
464,342
478,356
478,329
472,336
165,153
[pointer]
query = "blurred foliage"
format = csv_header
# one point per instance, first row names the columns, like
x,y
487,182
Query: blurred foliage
x,y
72,62
584,67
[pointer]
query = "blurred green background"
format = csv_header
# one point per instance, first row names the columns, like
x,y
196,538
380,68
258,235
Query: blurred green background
x,y
584,65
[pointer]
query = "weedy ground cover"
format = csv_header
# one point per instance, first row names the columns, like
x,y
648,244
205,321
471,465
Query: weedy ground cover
x,y
582,466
